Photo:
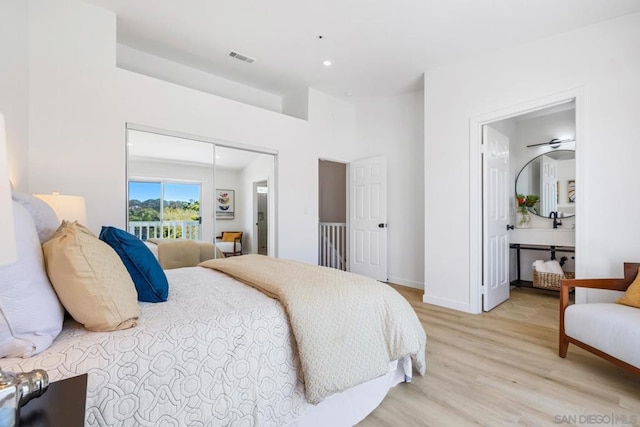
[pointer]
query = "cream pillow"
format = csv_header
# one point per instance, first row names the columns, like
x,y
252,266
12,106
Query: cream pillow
x,y
90,279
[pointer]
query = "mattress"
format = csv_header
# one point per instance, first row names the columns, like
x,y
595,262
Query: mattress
x,y
217,353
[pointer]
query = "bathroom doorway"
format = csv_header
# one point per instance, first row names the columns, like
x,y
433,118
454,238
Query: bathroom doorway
x,y
529,133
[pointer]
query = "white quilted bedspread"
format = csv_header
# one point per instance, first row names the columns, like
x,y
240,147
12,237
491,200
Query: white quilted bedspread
x,y
347,327
217,353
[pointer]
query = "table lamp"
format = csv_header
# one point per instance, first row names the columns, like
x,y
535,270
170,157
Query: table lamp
x,y
70,208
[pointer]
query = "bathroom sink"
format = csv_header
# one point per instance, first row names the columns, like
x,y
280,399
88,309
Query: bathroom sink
x,y
543,236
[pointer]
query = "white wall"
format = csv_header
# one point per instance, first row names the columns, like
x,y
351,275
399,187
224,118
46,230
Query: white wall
x,y
14,87
296,104
601,60
393,126
135,60
80,102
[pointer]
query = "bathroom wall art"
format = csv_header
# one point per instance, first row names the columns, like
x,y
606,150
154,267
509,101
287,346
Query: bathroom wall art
x,y
225,204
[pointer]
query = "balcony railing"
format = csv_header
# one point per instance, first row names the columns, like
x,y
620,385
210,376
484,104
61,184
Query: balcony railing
x,y
165,229
332,240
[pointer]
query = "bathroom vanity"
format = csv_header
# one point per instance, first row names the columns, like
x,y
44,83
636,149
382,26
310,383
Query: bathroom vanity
x,y
550,231
555,242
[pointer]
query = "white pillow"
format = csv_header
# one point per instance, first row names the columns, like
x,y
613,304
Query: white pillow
x,y
30,314
44,218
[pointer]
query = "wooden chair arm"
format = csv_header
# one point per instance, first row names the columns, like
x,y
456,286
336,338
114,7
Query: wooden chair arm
x,y
610,284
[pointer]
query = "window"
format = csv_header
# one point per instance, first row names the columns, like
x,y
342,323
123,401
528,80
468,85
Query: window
x,y
162,209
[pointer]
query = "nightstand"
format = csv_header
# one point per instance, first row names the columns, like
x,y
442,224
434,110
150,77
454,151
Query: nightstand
x,y
63,405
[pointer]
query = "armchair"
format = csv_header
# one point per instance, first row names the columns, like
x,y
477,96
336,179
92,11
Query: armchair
x,y
230,243
608,330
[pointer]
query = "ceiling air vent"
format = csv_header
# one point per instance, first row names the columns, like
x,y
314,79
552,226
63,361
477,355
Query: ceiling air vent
x,y
241,57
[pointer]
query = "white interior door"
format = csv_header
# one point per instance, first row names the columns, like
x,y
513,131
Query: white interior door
x,y
549,185
495,214
368,217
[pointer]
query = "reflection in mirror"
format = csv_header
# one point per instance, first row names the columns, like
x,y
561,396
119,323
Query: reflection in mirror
x,y
237,174
552,177
170,187
180,188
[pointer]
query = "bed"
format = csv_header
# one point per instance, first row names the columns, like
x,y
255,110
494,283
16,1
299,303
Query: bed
x,y
217,352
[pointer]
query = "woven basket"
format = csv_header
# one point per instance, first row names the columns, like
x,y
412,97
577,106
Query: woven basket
x,y
550,280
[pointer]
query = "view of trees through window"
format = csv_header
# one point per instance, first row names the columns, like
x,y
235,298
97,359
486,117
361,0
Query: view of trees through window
x,y
164,202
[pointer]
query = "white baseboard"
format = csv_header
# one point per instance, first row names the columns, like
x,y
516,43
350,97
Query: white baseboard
x,y
447,303
406,282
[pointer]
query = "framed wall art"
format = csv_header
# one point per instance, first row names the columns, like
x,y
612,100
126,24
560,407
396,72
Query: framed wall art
x,y
571,191
225,204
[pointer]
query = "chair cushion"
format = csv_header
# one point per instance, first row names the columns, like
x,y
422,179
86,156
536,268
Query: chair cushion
x,y
143,267
227,246
30,314
231,236
632,295
91,280
611,328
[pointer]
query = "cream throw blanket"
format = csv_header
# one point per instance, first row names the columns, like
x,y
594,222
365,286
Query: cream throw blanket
x,y
347,327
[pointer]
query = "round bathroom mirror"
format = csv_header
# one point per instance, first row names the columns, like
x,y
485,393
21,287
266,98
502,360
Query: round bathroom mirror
x,y
552,178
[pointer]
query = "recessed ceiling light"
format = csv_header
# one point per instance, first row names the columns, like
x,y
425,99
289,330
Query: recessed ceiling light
x,y
348,93
327,63
217,157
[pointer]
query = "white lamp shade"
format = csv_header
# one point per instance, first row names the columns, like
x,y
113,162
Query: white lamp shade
x,y
70,208
8,249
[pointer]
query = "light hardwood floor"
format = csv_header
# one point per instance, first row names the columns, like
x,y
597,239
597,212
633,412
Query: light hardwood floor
x,y
490,370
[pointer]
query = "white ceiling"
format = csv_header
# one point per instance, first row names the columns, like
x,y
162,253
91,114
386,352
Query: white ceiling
x,y
378,47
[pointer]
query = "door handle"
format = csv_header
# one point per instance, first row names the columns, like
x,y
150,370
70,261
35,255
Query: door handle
x,y
510,227
382,225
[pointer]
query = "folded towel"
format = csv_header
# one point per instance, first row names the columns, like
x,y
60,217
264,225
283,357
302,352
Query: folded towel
x,y
539,266
554,267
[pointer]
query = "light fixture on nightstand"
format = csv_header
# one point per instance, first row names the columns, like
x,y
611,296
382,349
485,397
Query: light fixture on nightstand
x,y
69,208
8,251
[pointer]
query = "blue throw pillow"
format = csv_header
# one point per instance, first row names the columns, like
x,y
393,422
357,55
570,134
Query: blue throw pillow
x,y
149,278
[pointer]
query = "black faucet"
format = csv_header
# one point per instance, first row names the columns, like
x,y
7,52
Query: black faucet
x,y
554,216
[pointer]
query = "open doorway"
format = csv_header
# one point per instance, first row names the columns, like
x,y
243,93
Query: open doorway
x,y
261,216
332,203
528,205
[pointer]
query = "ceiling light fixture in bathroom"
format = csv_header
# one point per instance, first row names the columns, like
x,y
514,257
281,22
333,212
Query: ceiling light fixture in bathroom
x,y
554,143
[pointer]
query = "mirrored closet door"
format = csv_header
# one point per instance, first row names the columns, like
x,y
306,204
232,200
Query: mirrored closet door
x,y
186,187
